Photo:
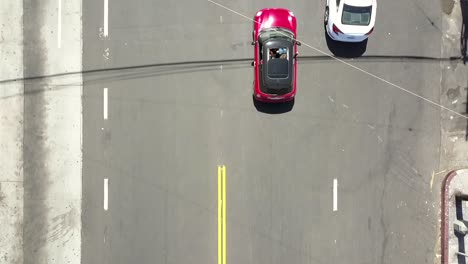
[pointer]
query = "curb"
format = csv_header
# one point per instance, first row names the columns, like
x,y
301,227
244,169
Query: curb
x,y
445,214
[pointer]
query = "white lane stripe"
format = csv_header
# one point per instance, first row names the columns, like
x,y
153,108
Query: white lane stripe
x,y
59,21
105,105
106,193
106,18
335,195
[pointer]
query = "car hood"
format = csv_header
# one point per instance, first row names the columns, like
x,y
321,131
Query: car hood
x,y
275,17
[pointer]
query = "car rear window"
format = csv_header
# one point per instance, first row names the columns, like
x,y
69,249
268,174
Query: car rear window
x,y
356,15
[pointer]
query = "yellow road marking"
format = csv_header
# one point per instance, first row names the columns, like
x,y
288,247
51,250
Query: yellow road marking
x,y
220,237
222,214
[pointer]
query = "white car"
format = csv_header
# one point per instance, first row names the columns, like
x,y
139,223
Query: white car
x,y
350,20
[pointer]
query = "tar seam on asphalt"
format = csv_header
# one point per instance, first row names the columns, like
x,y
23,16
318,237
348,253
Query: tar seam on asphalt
x,y
353,66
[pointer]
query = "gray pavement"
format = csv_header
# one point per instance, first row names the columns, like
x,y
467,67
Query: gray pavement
x,y
454,91
40,132
169,127
454,157
51,142
11,135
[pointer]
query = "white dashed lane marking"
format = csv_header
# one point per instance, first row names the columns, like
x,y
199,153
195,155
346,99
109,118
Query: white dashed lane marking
x,y
59,24
106,18
105,103
335,195
106,194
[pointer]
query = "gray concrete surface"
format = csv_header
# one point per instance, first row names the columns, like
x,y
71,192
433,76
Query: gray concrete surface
x,y
52,134
454,85
169,127
11,133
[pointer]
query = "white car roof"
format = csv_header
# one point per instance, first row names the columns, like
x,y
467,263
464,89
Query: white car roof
x,y
359,2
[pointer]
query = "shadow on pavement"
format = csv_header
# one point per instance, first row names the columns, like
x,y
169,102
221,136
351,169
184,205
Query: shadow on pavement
x,y
345,49
273,108
464,31
463,46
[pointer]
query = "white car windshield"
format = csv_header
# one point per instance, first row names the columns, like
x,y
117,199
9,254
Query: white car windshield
x,y
274,33
356,15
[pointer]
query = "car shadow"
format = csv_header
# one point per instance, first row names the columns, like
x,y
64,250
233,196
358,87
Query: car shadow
x,y
346,49
273,108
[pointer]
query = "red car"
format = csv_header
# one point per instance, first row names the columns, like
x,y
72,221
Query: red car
x,y
275,66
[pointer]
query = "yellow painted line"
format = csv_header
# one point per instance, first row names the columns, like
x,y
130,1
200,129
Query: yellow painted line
x,y
220,204
222,214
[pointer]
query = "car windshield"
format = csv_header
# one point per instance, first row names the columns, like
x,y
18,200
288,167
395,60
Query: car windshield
x,y
356,15
274,33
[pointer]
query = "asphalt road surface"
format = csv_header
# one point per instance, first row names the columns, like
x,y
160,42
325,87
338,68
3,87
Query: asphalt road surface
x,y
169,126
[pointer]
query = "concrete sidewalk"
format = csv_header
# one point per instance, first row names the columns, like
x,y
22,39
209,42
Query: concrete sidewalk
x,y
11,132
454,144
40,132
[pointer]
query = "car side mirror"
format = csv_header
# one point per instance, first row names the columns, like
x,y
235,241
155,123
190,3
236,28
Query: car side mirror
x,y
252,63
295,55
298,43
253,43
